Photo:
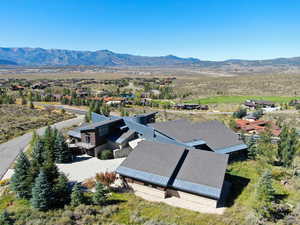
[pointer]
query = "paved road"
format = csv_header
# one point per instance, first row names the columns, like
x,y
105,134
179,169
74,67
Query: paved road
x,y
11,149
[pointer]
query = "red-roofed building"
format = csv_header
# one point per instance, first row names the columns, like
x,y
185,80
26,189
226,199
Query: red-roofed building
x,y
258,126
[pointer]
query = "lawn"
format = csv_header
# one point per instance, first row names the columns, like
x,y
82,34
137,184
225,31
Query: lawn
x,y
241,99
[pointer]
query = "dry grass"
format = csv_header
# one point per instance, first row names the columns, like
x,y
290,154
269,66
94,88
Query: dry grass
x,y
16,120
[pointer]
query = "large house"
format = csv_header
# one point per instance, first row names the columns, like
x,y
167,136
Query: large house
x,y
163,171
175,160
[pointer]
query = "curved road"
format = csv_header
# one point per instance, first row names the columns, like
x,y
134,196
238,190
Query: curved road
x,y
11,149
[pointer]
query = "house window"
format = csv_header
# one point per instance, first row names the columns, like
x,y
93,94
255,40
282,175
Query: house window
x,y
88,139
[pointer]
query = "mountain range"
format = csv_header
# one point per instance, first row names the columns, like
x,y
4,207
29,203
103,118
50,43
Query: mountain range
x,y
106,58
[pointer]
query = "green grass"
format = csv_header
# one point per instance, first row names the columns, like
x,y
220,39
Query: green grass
x,y
241,99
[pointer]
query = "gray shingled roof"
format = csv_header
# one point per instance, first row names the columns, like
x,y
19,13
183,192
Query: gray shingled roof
x,y
196,171
216,135
101,123
153,158
202,172
180,130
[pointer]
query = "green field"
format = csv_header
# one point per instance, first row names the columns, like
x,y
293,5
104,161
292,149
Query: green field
x,y
241,99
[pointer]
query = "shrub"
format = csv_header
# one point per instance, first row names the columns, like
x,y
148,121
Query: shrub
x,y
101,194
106,178
5,219
4,182
89,183
77,197
240,113
106,154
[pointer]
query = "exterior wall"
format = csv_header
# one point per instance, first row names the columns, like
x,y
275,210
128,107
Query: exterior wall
x,y
162,193
123,152
147,190
197,199
92,137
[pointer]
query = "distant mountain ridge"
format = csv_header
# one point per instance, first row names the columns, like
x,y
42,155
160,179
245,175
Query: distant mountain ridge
x,y
60,57
56,57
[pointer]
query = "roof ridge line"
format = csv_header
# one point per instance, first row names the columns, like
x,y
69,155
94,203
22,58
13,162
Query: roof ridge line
x,y
177,168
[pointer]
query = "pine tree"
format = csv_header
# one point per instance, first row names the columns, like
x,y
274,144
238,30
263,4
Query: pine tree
x,y
264,194
48,139
62,192
51,171
38,158
42,193
31,106
5,218
287,146
252,148
97,108
20,181
23,100
282,146
38,151
77,196
293,145
100,196
61,151
265,190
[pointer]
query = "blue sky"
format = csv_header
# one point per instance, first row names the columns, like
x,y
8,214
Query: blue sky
x,y
213,30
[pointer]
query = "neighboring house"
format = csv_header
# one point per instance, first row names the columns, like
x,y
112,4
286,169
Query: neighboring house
x,y
259,104
294,102
162,171
189,106
258,126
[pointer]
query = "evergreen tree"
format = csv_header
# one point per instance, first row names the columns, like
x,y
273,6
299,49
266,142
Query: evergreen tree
x,y
266,150
42,193
23,100
34,138
48,140
97,108
5,218
264,194
265,190
105,110
293,145
252,148
51,171
31,106
62,151
287,146
20,181
62,192
100,196
38,158
38,151
282,146
77,196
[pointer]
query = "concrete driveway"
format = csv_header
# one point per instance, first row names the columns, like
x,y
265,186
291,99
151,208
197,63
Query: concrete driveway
x,y
11,149
86,166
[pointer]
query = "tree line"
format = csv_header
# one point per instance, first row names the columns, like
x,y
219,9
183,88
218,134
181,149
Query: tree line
x,y
37,179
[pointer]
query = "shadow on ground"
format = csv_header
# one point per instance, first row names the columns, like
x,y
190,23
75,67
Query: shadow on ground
x,y
236,186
